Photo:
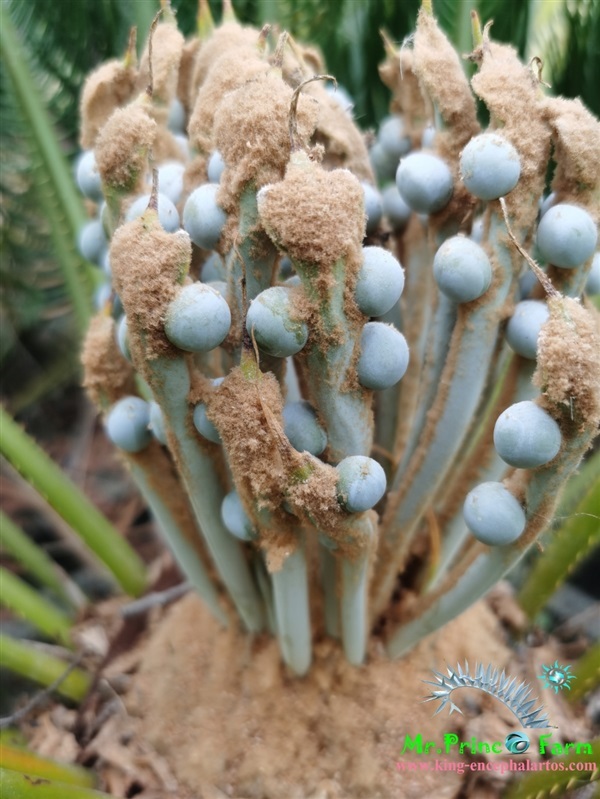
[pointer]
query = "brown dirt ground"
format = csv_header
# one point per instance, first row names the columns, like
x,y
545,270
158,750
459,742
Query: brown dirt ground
x,y
231,722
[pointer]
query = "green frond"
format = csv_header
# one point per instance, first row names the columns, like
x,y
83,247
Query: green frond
x,y
577,535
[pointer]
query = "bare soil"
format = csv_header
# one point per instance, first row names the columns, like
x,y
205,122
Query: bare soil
x,y
223,712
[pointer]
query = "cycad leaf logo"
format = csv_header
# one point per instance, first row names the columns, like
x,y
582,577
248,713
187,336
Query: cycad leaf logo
x,y
513,694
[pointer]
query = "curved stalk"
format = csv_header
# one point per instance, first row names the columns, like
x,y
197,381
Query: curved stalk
x,y
461,387
493,563
170,382
183,549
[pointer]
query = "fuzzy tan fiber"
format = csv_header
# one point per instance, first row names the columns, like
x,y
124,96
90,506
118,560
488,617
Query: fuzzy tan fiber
x,y
167,49
568,362
107,375
251,131
123,145
328,212
148,265
106,89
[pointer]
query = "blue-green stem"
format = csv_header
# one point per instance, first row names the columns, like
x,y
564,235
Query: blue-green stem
x,y
345,412
456,532
387,414
27,603
170,381
349,424
431,371
354,580
292,611
252,258
353,572
416,303
466,585
263,582
186,556
571,282
464,381
328,565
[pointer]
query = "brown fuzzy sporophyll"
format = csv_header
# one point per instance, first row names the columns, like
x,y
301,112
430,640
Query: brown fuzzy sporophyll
x,y
303,406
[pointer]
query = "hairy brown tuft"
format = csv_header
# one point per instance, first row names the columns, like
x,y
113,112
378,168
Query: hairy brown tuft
x,y
512,94
398,73
230,71
251,131
108,376
106,89
167,49
148,265
568,362
328,218
576,139
443,81
123,145
229,36
343,142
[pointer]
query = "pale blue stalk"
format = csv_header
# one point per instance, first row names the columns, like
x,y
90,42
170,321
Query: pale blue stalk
x,y
347,418
572,283
292,386
456,531
170,382
186,557
292,611
443,325
353,606
491,566
286,599
331,607
353,572
345,413
466,375
387,407
242,261
416,302
261,575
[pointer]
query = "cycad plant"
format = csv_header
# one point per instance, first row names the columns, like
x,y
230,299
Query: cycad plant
x,y
349,384
259,357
